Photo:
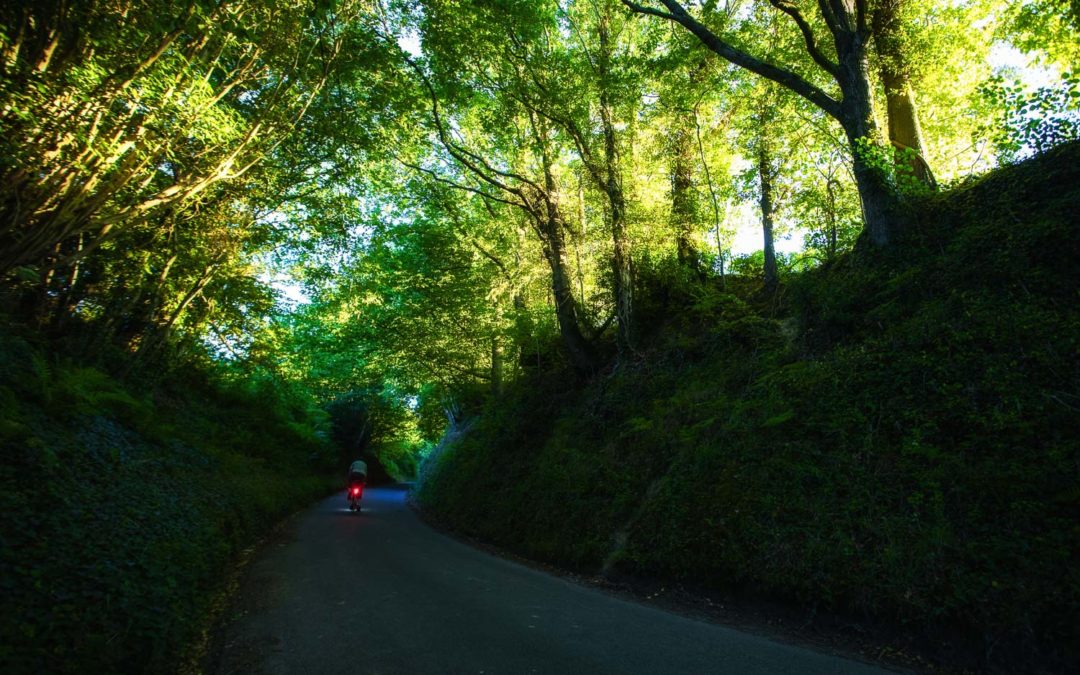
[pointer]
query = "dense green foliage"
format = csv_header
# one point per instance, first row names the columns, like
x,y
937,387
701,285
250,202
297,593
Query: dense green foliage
x,y
899,439
122,505
244,242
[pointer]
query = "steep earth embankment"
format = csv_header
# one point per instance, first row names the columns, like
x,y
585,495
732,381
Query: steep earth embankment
x,y
898,441
122,508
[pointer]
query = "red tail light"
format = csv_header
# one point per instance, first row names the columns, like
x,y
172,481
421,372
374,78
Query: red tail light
x,y
356,491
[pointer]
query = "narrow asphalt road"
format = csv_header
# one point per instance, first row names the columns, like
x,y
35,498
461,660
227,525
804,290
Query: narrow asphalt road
x,y
382,593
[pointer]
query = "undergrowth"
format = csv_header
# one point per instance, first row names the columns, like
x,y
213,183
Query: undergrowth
x,y
121,507
898,441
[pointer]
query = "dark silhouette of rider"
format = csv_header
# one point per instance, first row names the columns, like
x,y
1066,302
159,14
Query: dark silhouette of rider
x,y
357,474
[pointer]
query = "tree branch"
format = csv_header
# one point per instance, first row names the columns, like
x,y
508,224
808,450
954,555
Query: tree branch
x,y
861,22
458,186
839,15
781,76
643,9
808,35
492,257
470,160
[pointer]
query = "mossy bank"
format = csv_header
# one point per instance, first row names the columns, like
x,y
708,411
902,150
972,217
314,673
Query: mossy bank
x,y
895,437
123,505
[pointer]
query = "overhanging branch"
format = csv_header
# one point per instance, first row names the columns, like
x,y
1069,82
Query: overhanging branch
x,y
808,36
459,186
714,42
473,162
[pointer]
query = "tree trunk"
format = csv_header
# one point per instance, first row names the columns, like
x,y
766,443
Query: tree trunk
x,y
496,366
720,257
158,339
621,260
624,273
551,227
765,176
684,202
577,347
832,246
553,231
713,198
579,239
683,197
878,203
905,133
856,115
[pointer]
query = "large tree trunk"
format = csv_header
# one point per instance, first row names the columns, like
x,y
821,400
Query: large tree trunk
x,y
578,349
856,115
904,130
685,142
902,114
765,176
879,204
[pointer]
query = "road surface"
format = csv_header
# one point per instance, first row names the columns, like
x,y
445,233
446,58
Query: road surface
x,y
381,593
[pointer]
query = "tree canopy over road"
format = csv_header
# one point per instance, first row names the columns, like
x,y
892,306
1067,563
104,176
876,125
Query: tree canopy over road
x,y
385,219
170,170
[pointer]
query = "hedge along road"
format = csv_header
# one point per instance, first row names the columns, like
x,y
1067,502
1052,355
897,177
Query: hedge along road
x,y
382,593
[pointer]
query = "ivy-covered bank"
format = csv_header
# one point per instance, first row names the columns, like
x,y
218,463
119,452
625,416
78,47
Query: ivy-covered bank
x,y
899,439
122,505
